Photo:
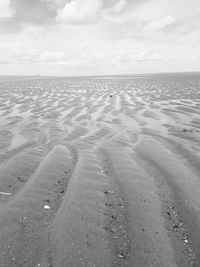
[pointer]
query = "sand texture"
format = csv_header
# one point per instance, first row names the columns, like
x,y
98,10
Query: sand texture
x,y
100,172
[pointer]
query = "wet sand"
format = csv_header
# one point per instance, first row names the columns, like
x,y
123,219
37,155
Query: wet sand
x,y
100,172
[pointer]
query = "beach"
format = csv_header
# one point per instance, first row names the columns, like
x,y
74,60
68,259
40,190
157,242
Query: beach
x,y
100,171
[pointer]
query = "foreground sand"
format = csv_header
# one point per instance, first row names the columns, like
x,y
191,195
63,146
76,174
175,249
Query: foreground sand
x,y
100,172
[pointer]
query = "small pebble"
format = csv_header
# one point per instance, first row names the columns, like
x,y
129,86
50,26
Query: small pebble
x,y
109,192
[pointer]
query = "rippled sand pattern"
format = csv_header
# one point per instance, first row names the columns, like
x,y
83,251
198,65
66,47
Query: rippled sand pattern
x,y
100,172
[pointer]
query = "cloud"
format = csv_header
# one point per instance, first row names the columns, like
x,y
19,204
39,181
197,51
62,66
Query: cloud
x,y
7,26
5,9
55,4
118,7
79,11
49,56
148,10
159,24
113,13
192,38
16,14
36,56
141,55
32,11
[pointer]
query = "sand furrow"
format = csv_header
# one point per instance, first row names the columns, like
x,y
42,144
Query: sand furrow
x,y
24,220
5,138
149,241
52,131
189,154
183,181
97,137
15,172
184,252
116,215
77,132
15,151
78,232
70,116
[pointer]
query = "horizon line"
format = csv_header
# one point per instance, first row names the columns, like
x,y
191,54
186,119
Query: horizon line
x,y
97,75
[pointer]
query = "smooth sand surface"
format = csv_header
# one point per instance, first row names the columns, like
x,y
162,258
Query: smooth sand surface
x,y
100,172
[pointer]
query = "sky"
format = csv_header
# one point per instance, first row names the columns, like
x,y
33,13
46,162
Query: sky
x,y
98,37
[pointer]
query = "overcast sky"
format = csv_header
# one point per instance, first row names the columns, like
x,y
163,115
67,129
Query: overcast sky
x,y
90,37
